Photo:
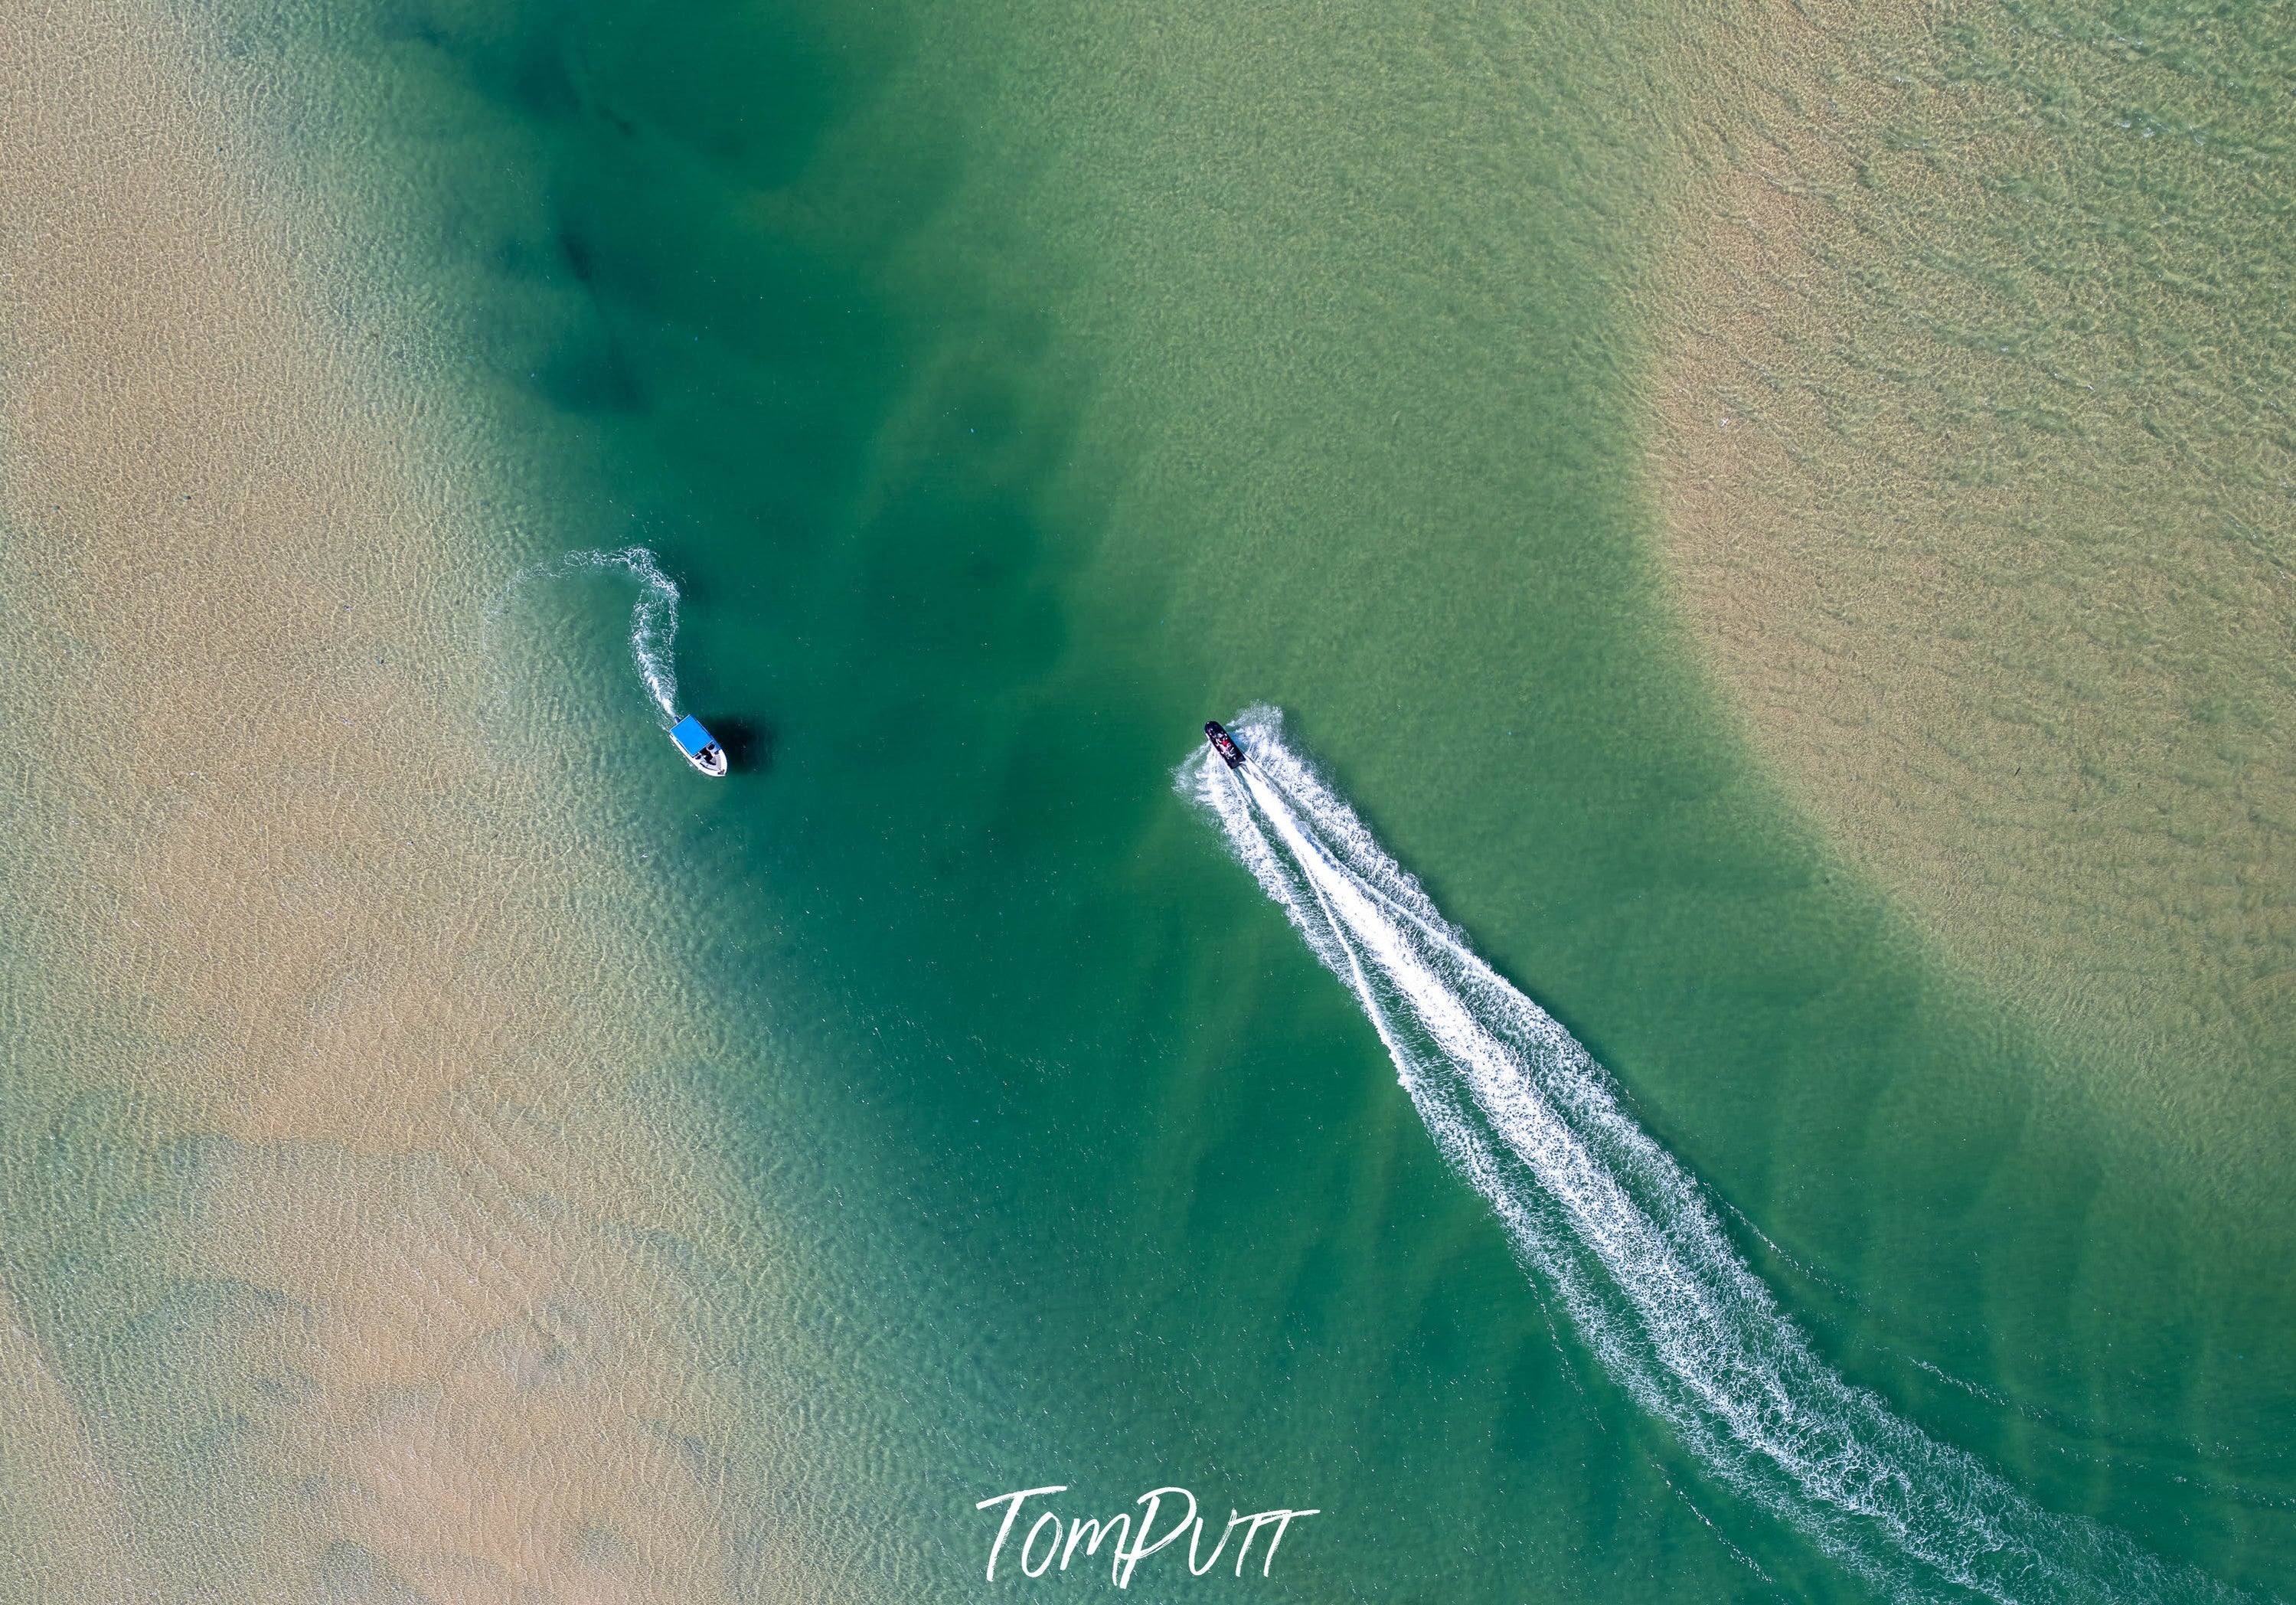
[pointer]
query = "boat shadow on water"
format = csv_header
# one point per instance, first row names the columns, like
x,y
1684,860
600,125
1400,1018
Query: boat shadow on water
x,y
748,744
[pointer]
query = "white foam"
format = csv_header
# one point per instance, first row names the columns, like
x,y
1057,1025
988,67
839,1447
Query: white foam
x,y
1627,1241
653,619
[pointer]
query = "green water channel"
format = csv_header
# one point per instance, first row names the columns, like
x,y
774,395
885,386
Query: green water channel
x,y
1010,389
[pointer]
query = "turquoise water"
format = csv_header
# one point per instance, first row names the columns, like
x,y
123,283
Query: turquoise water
x,y
1627,1244
1009,391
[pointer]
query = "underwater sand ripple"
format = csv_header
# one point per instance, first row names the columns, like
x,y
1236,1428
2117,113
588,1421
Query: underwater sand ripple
x,y
363,1278
1973,452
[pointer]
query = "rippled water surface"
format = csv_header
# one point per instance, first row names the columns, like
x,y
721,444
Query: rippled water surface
x,y
1004,391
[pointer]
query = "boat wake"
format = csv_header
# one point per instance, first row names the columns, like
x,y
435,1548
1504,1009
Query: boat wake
x,y
653,617
1627,1241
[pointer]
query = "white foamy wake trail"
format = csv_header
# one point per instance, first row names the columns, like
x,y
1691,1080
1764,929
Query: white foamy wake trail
x,y
653,618
1627,1241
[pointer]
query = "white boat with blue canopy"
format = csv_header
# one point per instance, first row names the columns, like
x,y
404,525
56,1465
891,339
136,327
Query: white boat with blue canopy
x,y
699,745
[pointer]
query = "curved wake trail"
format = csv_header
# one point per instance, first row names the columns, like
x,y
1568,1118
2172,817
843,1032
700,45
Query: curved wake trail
x,y
1628,1242
654,620
653,617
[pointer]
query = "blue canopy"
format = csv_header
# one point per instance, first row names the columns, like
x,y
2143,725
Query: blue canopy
x,y
691,736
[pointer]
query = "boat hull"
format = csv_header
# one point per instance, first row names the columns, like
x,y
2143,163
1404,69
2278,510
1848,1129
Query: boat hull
x,y
698,746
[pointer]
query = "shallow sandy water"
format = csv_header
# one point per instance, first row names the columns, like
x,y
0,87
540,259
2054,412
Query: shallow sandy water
x,y
1979,490
356,1243
311,1245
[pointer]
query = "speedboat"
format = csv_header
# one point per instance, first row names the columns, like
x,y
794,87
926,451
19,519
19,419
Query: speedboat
x,y
1223,743
699,745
